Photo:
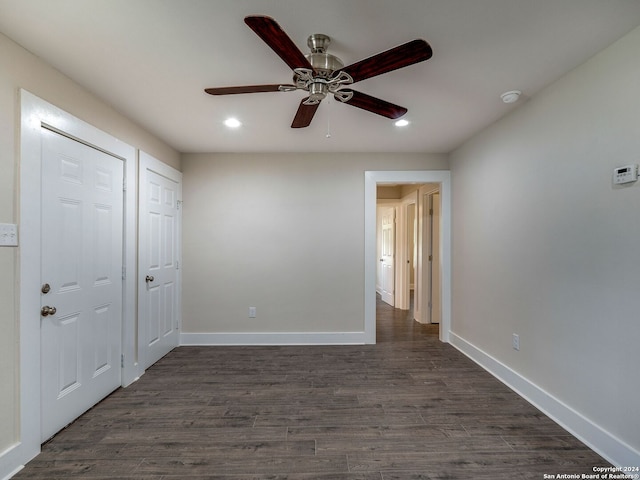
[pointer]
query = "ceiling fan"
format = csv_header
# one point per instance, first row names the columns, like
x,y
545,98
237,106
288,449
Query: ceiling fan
x,y
321,73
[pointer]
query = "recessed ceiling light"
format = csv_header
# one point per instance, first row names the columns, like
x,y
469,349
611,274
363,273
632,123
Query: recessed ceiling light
x,y
232,122
402,123
511,97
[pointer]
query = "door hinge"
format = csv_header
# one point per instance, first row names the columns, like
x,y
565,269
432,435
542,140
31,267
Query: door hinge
x,y
124,272
177,265
178,204
124,184
122,360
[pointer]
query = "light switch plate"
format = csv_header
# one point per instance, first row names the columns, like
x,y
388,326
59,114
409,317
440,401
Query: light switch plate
x,y
8,235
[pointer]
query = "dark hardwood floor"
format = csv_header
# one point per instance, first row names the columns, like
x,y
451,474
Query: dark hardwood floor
x,y
409,407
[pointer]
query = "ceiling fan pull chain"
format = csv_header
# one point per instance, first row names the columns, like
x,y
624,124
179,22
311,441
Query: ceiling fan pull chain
x,y
328,135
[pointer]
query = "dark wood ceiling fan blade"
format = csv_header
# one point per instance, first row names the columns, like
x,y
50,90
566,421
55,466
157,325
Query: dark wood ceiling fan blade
x,y
246,89
402,56
272,34
304,115
374,105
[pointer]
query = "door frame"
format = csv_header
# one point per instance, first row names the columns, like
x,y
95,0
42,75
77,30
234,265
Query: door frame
x,y
372,179
36,114
403,269
434,265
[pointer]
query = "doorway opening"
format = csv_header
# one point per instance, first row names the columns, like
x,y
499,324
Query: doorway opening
x,y
408,239
423,184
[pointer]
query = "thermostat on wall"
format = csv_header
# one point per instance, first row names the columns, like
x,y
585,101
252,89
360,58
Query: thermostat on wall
x,y
626,174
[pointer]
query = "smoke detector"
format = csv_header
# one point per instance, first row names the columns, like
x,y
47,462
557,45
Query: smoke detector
x,y
511,96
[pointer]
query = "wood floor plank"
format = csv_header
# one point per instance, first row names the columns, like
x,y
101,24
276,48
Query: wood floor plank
x,y
194,448
189,466
327,417
50,469
409,407
465,464
209,434
490,444
284,476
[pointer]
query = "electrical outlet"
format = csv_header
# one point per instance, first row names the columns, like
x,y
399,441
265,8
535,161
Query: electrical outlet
x,y
252,312
516,341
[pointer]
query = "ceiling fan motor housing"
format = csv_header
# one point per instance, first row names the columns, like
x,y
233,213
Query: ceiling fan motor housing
x,y
323,63
318,82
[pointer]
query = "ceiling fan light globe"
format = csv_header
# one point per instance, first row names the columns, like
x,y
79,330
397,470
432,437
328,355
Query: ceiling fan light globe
x,y
318,90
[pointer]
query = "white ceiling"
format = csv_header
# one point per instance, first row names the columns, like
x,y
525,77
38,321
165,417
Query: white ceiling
x,y
152,59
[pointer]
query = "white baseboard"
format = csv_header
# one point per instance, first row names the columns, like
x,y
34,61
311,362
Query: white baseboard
x,y
13,459
15,472
595,437
281,338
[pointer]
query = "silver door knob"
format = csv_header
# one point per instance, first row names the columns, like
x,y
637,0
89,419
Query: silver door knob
x,y
47,310
149,278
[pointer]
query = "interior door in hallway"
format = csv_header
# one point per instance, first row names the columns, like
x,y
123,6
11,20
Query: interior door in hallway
x,y
434,293
159,259
387,254
81,275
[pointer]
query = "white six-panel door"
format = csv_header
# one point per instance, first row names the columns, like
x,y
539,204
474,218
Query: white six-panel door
x,y
387,254
81,268
159,259
435,311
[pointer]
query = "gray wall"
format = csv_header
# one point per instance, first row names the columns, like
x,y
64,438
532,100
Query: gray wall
x,y
21,69
281,232
546,247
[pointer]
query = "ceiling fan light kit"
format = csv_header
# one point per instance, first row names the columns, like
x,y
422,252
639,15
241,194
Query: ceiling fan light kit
x,y
320,73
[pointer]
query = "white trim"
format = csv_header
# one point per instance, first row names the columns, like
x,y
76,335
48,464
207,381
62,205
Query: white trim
x,y
403,273
372,178
595,437
282,338
14,472
12,460
35,113
161,168
132,368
